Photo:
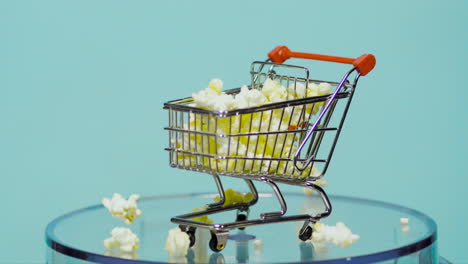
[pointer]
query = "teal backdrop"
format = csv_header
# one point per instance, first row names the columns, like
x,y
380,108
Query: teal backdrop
x,y
82,85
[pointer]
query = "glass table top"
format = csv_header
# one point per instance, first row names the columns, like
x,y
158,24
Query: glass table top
x,y
79,234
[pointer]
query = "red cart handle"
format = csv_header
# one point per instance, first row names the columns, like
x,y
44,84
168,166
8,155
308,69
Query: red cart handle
x,y
364,64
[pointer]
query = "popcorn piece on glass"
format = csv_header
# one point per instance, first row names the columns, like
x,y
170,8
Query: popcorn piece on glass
x,y
177,243
258,243
122,209
404,221
123,239
340,235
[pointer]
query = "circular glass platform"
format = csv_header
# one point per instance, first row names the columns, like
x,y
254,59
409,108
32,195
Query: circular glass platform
x,y
77,236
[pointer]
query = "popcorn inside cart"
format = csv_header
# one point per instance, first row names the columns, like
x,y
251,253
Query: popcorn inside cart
x,y
282,128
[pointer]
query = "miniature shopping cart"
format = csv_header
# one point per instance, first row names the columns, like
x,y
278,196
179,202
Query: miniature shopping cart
x,y
290,141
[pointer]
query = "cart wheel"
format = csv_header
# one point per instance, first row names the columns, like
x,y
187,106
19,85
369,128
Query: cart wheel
x,y
305,234
215,245
241,217
191,233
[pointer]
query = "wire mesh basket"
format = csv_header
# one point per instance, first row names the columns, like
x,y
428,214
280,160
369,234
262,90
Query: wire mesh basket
x,y
290,140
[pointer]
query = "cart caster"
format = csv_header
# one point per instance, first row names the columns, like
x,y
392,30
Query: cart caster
x,y
306,233
190,231
241,217
218,241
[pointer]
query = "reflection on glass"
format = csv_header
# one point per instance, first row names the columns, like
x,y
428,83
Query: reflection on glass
x,y
216,258
200,249
117,253
307,251
242,251
77,237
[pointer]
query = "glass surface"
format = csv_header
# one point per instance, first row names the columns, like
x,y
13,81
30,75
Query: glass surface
x,y
77,237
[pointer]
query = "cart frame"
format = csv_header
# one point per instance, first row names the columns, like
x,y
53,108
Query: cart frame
x,y
306,135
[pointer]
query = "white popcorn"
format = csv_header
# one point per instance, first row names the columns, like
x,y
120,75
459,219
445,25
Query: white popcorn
x,y
274,91
228,147
258,243
122,239
222,102
216,85
205,98
324,88
279,146
177,243
312,90
125,210
404,221
249,98
297,91
340,235
212,98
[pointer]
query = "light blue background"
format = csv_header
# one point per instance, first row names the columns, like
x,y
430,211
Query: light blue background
x,y
82,84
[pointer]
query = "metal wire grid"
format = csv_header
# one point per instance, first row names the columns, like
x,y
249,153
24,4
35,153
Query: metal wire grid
x,y
251,143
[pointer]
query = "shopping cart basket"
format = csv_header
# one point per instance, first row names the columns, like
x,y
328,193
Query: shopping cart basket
x,y
290,141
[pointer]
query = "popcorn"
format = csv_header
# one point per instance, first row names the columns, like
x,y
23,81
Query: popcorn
x,y
296,91
249,98
340,235
324,88
177,243
264,150
205,98
234,197
312,90
212,98
203,218
258,243
222,102
122,239
404,221
274,91
216,85
125,210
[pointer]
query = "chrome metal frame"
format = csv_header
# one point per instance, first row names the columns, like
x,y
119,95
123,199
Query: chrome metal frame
x,y
194,134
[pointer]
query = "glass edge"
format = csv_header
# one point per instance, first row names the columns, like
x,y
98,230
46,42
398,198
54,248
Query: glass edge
x,y
55,244
443,260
